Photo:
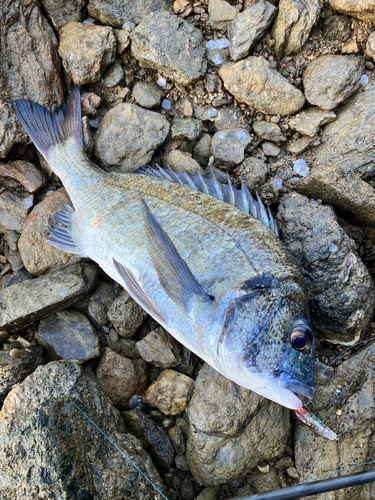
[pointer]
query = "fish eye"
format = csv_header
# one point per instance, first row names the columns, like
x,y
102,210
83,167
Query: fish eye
x,y
301,338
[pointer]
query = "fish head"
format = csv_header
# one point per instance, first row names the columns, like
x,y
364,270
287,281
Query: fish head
x,y
266,344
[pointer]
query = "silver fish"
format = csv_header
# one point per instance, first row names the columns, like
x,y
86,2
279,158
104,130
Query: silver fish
x,y
200,257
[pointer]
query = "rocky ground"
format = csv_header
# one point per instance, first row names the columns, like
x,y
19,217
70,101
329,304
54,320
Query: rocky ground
x,y
281,93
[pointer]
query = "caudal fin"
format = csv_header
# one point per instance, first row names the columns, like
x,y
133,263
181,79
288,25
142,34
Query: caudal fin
x,y
46,128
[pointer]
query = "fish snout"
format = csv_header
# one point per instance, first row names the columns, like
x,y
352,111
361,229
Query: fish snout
x,y
294,385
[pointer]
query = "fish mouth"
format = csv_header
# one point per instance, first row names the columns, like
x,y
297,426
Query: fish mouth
x,y
294,385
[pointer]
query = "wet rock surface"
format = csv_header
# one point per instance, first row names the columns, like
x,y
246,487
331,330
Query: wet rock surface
x,y
126,315
62,463
160,349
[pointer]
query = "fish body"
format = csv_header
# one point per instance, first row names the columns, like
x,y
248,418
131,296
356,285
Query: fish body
x,y
213,276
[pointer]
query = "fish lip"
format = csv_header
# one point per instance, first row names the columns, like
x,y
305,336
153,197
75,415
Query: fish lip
x,y
294,385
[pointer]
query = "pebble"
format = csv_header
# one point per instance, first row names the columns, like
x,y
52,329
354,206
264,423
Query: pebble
x,y
160,349
277,183
270,149
147,94
364,80
228,145
113,75
162,82
126,315
31,178
13,210
221,14
181,463
179,160
166,104
300,166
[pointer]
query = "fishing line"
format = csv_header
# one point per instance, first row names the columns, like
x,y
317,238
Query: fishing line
x,y
13,433
122,453
346,350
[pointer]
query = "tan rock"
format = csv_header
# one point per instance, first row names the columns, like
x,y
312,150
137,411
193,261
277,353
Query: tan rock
x,y
370,45
24,172
221,13
178,161
364,10
160,349
309,121
171,392
121,378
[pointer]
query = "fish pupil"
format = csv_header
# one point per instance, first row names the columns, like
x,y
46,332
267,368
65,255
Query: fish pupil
x,y
299,342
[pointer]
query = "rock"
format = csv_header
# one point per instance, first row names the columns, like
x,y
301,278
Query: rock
x,y
170,393
16,277
39,256
337,27
309,121
121,378
216,55
261,482
254,172
25,36
187,490
269,131
68,335
248,27
61,12
147,95
124,347
159,42
228,145
209,493
293,25
186,128
126,315
221,13
24,172
342,310
15,369
14,207
160,349
231,429
254,82
122,39
362,10
181,463
331,79
70,458
179,160
89,103
202,150
152,437
101,300
270,149
222,118
298,146
26,302
189,360
138,132
86,51
350,48
177,438
370,45
113,75
348,399
117,13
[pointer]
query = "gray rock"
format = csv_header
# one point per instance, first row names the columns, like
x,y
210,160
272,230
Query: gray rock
x,y
202,150
14,370
270,149
179,160
126,315
14,207
122,39
147,95
113,75
186,490
254,172
152,437
177,439
370,45
231,429
344,157
186,128
138,133
300,145
331,79
39,256
124,347
362,10
70,458
31,178
159,42
344,309
337,27
216,56
309,121
68,335
61,12
86,51
189,361
121,378
25,36
347,399
16,277
160,349
248,27
222,118
116,13
101,300
221,13
228,145
254,82
293,25
208,493
269,131
31,300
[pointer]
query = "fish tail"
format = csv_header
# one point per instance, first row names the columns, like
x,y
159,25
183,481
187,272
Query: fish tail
x,y
47,129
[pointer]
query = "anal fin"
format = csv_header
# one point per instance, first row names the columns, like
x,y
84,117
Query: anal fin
x,y
60,235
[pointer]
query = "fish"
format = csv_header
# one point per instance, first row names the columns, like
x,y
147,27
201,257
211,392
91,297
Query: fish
x,y
202,258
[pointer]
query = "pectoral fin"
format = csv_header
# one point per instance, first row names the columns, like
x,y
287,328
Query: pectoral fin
x,y
60,235
174,275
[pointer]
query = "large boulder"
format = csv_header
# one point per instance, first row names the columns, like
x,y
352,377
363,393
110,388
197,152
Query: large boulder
x,y
361,9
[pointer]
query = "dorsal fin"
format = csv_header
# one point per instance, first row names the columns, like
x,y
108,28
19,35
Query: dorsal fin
x,y
240,198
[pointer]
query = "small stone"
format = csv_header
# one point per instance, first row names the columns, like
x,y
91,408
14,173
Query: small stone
x,y
14,353
89,103
333,247
177,438
186,128
147,95
254,172
309,121
180,5
284,463
13,210
350,48
181,463
221,14
122,40
126,315
270,149
364,80
269,131
86,51
202,150
61,12
121,378
24,172
113,75
300,166
337,27
276,183
178,161
166,104
228,145
126,13
292,472
162,82
370,45
160,349
216,56
170,393
264,469
100,302
135,402
187,490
